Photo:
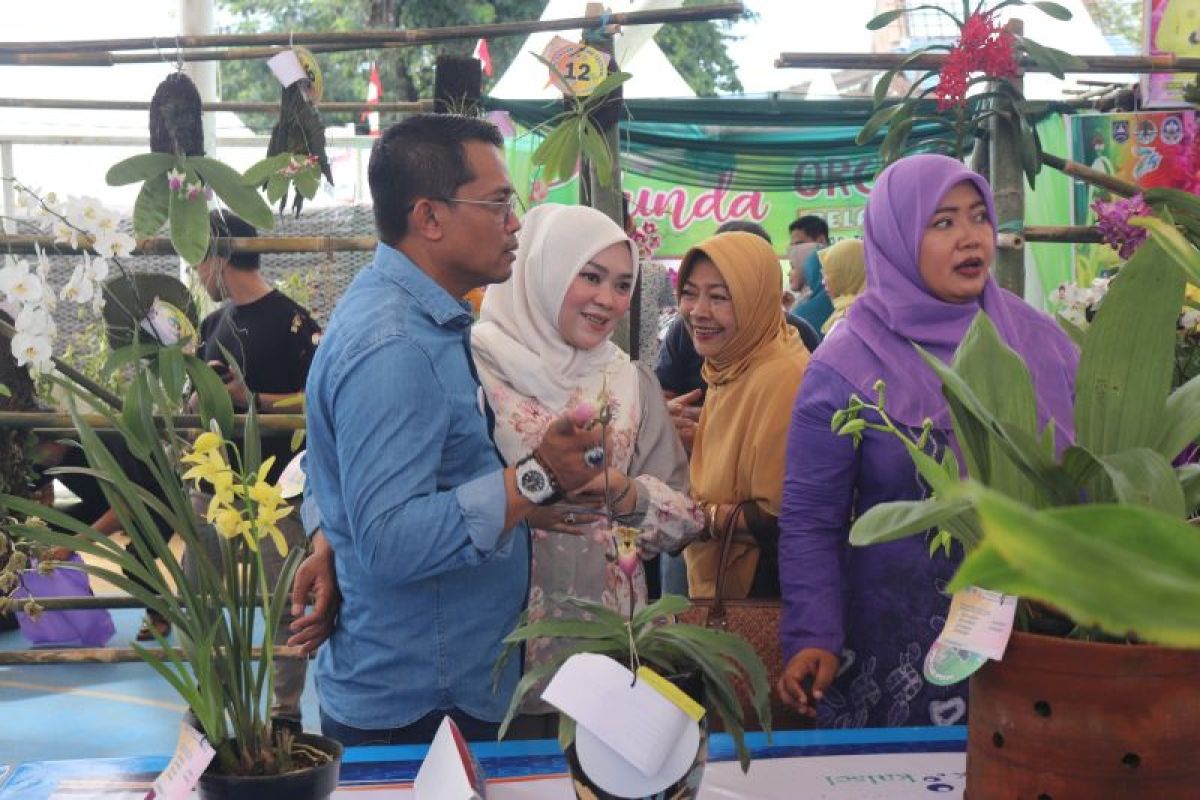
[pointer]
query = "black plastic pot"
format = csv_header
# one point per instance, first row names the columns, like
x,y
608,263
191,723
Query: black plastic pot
x,y
315,783
686,788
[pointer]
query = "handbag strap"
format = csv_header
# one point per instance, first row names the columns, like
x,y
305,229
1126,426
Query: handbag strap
x,y
718,609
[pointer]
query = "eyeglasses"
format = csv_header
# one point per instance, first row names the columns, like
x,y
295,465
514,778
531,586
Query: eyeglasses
x,y
509,205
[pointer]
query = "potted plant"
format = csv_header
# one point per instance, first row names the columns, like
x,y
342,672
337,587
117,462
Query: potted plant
x,y
712,666
1095,696
217,670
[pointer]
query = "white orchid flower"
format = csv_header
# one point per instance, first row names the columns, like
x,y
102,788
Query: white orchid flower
x,y
35,320
115,243
32,350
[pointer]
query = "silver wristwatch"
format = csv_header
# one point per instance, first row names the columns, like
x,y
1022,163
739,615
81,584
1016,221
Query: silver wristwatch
x,y
535,483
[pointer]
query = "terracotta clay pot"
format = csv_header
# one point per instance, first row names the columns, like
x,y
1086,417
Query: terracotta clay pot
x,y
1060,719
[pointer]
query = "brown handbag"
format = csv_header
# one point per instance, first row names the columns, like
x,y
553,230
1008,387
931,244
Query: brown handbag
x,y
756,621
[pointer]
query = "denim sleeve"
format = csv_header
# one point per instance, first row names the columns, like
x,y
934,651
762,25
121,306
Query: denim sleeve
x,y
818,492
310,514
392,419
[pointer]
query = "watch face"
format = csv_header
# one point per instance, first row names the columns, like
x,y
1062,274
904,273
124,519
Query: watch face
x,y
533,481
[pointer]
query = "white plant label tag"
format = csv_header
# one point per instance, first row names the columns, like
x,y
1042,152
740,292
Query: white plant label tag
x,y
192,756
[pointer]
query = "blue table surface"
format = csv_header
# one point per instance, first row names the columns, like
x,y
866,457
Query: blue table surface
x,y
399,763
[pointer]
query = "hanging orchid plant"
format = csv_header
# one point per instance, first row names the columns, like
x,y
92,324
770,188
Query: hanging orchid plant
x,y
984,54
177,178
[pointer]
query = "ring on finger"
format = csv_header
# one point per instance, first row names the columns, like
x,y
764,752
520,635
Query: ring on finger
x,y
594,457
568,518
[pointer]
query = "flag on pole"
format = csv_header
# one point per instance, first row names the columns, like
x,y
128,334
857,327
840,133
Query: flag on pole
x,y
484,55
374,95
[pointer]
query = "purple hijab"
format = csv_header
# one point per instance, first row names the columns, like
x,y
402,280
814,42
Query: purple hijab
x,y
897,309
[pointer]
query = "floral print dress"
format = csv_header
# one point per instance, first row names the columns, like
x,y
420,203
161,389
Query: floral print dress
x,y
644,446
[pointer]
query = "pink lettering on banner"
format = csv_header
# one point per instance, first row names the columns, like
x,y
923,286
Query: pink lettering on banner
x,y
717,204
812,177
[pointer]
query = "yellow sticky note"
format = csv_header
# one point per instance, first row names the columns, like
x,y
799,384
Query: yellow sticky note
x,y
672,692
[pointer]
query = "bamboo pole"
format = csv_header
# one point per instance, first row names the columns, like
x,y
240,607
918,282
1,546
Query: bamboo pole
x,y
187,422
161,245
1089,175
884,61
420,106
102,52
1063,234
115,655
1008,185
101,601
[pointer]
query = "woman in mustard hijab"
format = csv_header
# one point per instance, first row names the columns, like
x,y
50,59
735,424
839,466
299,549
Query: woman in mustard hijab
x,y
730,300
845,269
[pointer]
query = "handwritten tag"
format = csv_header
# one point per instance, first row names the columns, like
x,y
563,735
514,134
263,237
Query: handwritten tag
x,y
581,68
980,621
192,756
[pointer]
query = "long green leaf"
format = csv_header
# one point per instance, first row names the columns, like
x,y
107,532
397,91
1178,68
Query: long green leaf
x,y
880,118
241,197
189,227
886,522
260,171
1143,477
1002,384
1125,369
669,605
141,167
1181,252
152,206
1130,568
215,403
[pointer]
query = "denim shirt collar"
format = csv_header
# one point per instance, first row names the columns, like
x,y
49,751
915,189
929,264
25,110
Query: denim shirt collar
x,y
436,302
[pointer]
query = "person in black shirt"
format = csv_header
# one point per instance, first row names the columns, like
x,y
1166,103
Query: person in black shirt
x,y
272,339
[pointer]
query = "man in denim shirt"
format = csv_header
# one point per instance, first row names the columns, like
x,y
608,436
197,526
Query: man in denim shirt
x,y
423,517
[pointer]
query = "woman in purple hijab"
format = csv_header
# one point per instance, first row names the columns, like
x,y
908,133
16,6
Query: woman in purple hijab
x,y
859,621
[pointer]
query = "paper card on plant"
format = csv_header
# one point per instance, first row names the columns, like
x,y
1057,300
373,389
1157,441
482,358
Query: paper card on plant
x,y
449,771
634,719
980,621
291,480
192,756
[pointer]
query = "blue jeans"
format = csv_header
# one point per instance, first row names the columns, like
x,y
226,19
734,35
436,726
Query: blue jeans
x,y
420,732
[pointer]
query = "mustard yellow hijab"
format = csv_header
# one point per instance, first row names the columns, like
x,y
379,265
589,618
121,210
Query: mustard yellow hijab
x,y
845,269
738,453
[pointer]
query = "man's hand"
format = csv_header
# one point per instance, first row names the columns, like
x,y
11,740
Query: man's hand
x,y
592,492
316,576
562,450
812,668
235,386
685,415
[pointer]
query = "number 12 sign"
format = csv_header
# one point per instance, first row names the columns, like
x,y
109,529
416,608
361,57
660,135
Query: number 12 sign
x,y
580,68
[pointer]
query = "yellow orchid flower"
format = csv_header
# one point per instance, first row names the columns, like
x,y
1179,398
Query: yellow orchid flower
x,y
228,522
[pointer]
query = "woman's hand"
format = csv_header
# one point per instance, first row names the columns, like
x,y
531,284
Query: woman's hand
x,y
622,492
806,678
568,520
685,416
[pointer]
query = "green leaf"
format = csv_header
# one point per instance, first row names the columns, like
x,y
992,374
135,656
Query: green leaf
x,y
141,167
1053,10
605,88
566,732
1001,383
1143,477
595,149
669,605
277,187
1125,368
1119,568
261,170
886,522
307,181
570,628
1181,423
885,19
215,403
152,206
1181,252
170,371
896,140
880,118
241,197
1076,333
1189,481
189,227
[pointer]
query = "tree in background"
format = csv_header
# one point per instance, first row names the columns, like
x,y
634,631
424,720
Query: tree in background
x,y
696,49
1121,17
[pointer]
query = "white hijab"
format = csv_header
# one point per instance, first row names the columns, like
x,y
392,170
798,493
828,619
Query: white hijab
x,y
517,342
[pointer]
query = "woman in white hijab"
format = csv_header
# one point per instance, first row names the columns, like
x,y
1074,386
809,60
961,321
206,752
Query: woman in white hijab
x,y
542,347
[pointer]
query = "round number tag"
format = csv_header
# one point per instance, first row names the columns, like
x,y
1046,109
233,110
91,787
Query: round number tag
x,y
582,69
